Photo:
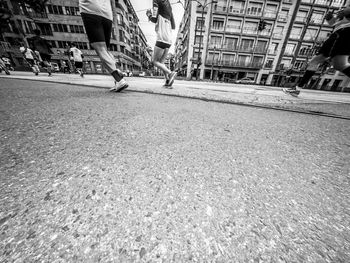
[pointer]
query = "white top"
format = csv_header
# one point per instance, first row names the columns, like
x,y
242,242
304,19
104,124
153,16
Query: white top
x,y
97,7
76,54
28,53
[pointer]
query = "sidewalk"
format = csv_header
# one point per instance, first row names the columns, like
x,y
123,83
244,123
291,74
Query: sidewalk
x,y
309,101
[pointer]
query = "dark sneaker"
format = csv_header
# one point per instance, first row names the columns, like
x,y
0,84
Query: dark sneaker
x,y
172,76
120,86
291,91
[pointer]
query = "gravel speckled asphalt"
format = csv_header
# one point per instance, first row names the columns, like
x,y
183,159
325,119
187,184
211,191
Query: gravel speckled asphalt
x,y
93,176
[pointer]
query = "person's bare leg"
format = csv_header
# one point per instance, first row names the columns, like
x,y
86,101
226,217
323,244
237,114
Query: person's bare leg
x,y
158,55
102,52
110,64
310,71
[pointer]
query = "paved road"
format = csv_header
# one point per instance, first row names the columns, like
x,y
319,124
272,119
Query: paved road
x,y
311,101
93,176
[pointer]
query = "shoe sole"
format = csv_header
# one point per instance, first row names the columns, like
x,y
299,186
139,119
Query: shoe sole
x,y
291,94
122,88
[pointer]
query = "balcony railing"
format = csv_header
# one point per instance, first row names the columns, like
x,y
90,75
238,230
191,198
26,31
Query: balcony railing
x,y
233,29
229,63
270,14
236,10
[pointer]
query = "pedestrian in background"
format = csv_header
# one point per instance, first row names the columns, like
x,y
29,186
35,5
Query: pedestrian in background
x,y
97,17
336,48
29,56
78,59
44,48
162,16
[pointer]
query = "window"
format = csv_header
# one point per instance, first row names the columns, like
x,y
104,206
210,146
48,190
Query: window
x,y
119,19
250,27
230,43
215,41
317,17
213,57
199,24
247,44
45,29
270,10
257,61
243,60
290,48
228,59
72,10
76,29
218,24
269,63
261,46
63,44
301,16
310,34
254,8
59,28
198,39
273,48
305,51
234,25
55,9
298,64
237,6
296,32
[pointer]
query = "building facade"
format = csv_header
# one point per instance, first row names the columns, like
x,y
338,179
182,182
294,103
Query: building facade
x,y
61,24
267,41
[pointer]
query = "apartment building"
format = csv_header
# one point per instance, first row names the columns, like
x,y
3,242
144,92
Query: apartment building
x,y
62,24
268,41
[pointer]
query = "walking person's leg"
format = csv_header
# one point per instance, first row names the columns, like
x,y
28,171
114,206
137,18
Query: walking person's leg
x,y
99,31
159,56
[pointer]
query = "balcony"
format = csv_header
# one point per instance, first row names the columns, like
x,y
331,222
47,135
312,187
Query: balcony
x,y
282,18
322,2
236,10
294,36
254,13
270,15
233,29
277,35
316,21
220,9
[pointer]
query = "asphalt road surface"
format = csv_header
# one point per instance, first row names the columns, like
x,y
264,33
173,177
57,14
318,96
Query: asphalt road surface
x,y
92,176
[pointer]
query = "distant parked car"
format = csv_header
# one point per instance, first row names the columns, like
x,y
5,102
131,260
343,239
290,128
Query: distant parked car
x,y
245,81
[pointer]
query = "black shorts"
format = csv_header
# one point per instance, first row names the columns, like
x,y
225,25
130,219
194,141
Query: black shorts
x,y
162,45
45,57
338,43
30,61
78,64
98,28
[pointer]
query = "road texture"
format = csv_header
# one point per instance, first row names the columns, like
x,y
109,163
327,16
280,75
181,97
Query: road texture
x,y
309,101
93,176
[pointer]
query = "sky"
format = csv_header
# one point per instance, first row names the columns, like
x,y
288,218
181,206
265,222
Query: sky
x,y
140,6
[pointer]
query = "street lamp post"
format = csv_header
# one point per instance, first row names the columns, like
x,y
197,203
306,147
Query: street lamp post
x,y
203,6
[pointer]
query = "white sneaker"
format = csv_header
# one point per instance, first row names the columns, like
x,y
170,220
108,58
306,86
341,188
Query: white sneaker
x,y
292,91
119,86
